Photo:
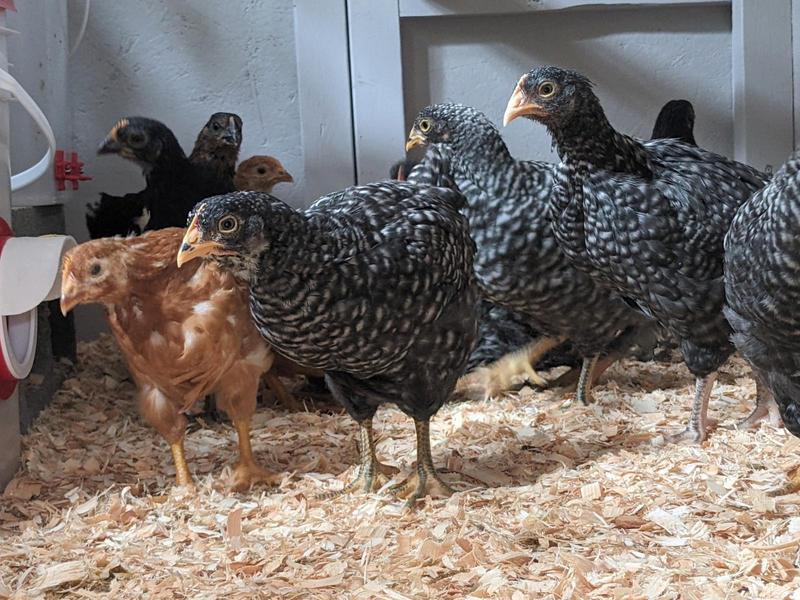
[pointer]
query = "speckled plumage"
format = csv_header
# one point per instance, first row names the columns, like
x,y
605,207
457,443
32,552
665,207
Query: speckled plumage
x,y
217,145
373,284
518,264
762,275
645,218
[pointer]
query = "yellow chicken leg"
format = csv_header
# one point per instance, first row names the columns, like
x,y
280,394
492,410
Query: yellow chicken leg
x,y
182,474
499,376
372,474
425,481
247,470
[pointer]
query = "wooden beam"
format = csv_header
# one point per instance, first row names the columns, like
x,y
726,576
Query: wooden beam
x,y
452,8
763,112
323,81
376,73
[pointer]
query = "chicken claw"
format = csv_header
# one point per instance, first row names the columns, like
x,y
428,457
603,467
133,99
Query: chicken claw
x,y
245,474
372,474
425,481
766,409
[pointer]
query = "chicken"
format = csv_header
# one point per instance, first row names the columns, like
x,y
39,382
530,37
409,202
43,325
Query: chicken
x,y
373,284
644,218
401,169
217,146
676,120
762,261
518,264
260,174
184,333
174,184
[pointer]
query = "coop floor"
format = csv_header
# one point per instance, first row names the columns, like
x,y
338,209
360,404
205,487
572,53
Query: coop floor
x,y
558,501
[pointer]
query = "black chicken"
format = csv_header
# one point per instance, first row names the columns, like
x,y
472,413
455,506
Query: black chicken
x,y
762,267
518,264
174,184
645,218
676,121
373,284
217,145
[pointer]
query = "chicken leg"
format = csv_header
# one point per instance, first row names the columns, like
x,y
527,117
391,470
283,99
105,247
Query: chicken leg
x,y
247,471
586,380
697,429
497,377
372,474
425,481
284,396
182,474
766,408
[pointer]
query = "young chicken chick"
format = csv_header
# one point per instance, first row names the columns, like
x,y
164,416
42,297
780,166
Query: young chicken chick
x,y
373,284
185,333
217,145
260,174
174,183
644,218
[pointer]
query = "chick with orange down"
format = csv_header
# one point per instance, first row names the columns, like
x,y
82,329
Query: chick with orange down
x,y
260,174
184,333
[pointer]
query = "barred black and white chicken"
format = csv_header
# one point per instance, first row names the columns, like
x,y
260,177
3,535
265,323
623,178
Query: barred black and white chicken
x,y
644,218
373,284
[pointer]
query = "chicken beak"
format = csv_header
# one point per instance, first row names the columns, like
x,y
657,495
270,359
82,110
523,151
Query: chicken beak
x,y
110,145
231,135
285,177
415,138
69,298
518,105
193,245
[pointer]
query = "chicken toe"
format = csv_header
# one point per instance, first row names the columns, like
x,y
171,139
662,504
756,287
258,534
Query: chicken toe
x,y
245,474
699,423
372,474
424,481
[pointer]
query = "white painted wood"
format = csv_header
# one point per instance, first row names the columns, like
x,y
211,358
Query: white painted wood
x,y
323,80
440,8
763,111
377,79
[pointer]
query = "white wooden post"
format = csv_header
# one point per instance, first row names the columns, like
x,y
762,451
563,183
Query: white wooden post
x,y
377,80
323,80
763,112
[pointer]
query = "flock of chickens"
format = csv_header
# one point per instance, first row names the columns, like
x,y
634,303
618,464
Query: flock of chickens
x,y
391,291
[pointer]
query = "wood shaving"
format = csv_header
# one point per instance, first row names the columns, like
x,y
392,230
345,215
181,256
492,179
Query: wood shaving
x,y
557,500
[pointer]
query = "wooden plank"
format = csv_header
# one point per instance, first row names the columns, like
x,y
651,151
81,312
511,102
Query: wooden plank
x,y
377,82
763,112
323,80
451,8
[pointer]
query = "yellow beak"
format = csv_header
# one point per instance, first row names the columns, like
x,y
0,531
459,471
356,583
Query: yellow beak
x,y
415,138
193,245
69,299
518,105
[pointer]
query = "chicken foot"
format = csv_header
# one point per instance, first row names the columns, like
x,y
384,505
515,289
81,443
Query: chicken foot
x,y
372,474
497,377
247,471
425,481
697,430
766,408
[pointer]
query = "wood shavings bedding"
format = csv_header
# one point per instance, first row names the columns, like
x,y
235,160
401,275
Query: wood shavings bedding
x,y
563,501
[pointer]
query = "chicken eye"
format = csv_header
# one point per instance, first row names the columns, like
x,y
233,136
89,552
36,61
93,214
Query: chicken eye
x,y
228,224
215,126
137,140
95,269
547,89
261,171
425,125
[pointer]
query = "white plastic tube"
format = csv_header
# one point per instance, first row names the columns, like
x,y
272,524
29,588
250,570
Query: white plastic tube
x,y
28,176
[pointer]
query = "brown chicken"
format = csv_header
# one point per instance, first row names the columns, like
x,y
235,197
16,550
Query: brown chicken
x,y
185,333
260,174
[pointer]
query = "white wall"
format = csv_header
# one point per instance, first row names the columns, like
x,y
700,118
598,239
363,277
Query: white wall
x,y
637,58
